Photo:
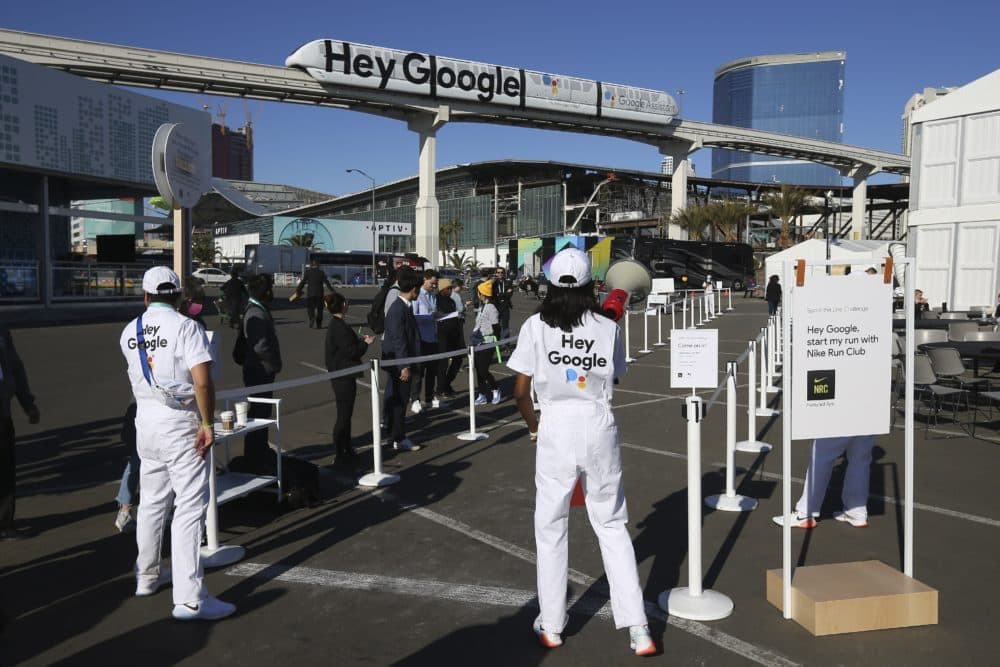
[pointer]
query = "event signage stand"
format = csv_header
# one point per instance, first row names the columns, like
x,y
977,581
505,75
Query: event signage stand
x,y
694,363
182,173
232,485
376,477
837,368
730,501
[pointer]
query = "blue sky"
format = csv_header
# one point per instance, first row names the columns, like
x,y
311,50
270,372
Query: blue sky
x,y
893,50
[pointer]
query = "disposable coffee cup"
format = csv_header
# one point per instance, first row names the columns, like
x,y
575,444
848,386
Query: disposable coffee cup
x,y
241,413
227,420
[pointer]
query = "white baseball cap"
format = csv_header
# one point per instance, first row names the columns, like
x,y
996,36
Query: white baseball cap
x,y
161,280
570,268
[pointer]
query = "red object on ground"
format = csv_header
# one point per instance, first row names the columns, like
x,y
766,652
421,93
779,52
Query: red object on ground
x,y
577,499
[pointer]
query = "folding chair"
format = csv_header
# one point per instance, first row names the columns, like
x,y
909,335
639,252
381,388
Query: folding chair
x,y
923,336
957,330
925,379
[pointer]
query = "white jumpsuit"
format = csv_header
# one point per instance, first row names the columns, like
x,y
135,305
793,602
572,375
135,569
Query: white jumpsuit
x,y
573,376
171,472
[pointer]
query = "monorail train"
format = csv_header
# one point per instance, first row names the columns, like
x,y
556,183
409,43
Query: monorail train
x,y
344,64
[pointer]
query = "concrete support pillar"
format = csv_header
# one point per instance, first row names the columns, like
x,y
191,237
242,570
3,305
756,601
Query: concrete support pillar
x,y
43,246
427,220
679,150
859,200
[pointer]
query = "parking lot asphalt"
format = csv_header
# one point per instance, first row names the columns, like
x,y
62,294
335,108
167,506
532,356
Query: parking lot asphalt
x,y
439,568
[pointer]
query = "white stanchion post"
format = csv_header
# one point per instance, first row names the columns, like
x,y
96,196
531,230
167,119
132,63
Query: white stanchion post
x,y
718,303
770,387
730,501
773,358
752,444
645,332
628,336
213,554
692,602
698,302
730,295
659,324
472,434
376,477
673,320
684,313
765,381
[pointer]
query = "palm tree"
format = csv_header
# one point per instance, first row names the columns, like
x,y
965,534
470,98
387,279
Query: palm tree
x,y
727,216
448,236
786,205
302,241
693,219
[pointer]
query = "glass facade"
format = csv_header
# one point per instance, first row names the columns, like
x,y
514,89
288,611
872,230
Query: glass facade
x,y
798,96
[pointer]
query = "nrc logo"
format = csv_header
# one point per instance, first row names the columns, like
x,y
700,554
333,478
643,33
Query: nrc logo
x,y
821,385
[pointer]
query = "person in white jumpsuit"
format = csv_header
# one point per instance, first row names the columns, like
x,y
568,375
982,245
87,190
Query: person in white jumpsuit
x,y
572,354
169,368
709,294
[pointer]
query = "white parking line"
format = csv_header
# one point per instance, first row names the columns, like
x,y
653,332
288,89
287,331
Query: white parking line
x,y
993,523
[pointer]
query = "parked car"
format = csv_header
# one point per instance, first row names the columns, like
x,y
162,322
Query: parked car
x,y
211,276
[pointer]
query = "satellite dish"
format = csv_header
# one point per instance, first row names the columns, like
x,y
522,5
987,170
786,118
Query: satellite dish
x,y
632,277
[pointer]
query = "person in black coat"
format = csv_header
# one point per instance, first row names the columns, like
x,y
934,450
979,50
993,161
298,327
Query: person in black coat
x,y
234,295
401,340
13,384
262,361
449,330
344,349
773,295
314,279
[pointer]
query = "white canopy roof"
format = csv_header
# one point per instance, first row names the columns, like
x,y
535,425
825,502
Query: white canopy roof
x,y
859,254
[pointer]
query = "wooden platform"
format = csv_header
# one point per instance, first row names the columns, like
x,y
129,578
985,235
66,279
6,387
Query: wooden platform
x,y
854,597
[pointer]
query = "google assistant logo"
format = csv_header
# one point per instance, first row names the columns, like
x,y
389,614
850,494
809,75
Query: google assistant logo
x,y
549,81
573,376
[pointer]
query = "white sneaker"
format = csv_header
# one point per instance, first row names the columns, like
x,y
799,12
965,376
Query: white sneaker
x,y
435,402
405,446
207,609
496,397
125,521
416,407
547,639
796,521
144,587
480,399
847,518
640,641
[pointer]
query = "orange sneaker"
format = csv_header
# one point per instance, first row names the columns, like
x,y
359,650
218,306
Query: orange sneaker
x,y
546,638
640,641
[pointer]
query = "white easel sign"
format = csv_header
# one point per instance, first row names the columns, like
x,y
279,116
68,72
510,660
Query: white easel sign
x,y
841,356
694,359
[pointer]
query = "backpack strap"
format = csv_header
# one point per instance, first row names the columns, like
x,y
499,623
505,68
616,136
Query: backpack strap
x,y
140,346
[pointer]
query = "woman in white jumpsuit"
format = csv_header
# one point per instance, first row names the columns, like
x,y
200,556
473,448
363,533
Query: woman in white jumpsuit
x,y
572,354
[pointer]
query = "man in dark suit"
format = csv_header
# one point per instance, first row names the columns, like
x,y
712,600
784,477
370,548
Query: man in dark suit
x,y
262,361
13,382
314,279
401,340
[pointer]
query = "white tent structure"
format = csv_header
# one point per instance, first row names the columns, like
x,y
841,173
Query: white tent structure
x,y
954,219
859,255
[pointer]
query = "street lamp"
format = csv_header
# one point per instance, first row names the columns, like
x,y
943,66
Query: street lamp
x,y
374,242
827,206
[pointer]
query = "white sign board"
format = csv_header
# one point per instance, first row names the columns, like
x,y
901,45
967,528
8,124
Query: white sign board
x,y
841,356
390,228
662,286
182,168
694,358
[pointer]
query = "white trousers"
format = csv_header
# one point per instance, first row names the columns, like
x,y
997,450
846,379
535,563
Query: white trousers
x,y
825,452
582,442
171,471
